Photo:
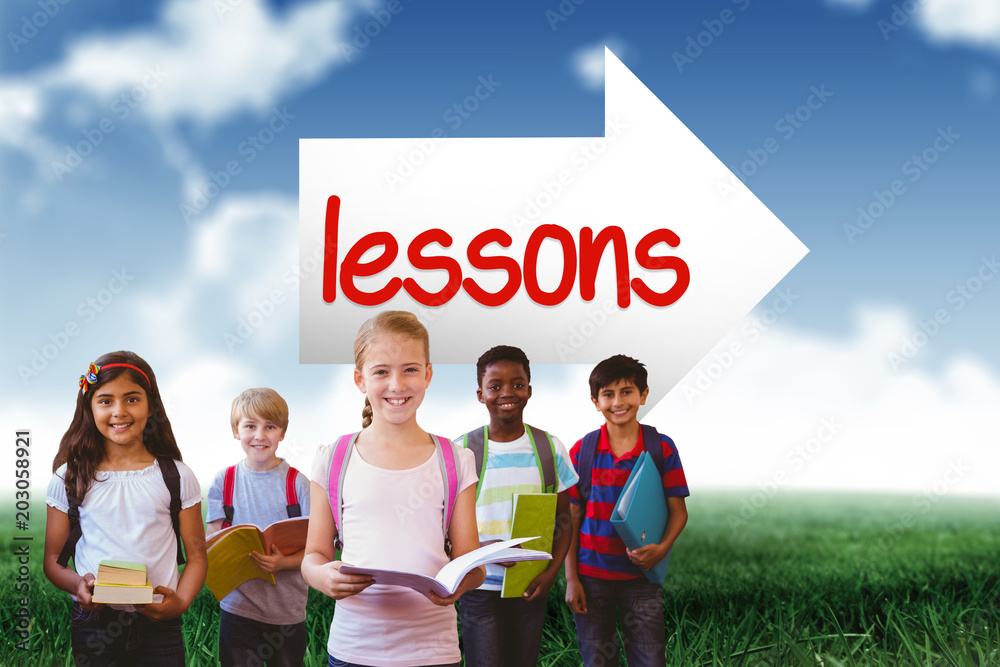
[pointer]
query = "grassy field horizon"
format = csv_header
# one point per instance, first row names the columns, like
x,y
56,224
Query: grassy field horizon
x,y
795,578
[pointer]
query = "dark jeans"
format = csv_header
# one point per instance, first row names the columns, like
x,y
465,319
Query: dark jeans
x,y
244,642
500,632
340,663
113,638
640,604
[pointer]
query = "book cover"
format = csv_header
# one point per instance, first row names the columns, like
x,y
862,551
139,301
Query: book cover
x,y
533,514
229,562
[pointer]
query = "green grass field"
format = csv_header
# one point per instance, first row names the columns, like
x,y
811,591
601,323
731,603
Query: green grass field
x,y
803,580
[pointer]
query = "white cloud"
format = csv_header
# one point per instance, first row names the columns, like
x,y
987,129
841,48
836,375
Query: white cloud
x,y
972,22
194,65
869,427
239,255
587,62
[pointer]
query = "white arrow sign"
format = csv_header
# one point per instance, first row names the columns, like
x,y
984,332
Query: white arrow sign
x,y
520,222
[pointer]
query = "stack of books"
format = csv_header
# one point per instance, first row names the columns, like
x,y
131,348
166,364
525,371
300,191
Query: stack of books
x,y
121,582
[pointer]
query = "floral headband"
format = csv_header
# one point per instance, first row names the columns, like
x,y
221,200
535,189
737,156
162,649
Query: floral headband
x,y
91,375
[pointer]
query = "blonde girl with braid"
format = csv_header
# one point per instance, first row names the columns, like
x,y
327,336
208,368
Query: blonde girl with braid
x,y
385,499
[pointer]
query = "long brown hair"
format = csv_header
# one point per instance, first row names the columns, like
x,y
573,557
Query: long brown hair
x,y
82,446
392,322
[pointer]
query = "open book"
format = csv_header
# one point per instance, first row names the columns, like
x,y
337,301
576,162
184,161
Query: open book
x,y
229,562
447,580
288,534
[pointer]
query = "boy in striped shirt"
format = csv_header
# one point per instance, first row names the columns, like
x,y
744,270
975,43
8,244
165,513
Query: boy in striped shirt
x,y
514,458
603,576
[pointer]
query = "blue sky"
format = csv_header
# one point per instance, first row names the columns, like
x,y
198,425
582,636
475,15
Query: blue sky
x,y
197,80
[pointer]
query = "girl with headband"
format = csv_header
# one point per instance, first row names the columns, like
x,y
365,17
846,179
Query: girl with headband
x,y
120,492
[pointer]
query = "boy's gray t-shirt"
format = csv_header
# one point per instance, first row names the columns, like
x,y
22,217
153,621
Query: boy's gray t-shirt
x,y
259,498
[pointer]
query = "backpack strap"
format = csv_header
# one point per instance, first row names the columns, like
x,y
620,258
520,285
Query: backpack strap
x,y
294,509
75,532
447,460
476,441
449,474
338,469
545,457
228,487
585,465
172,478
651,443
588,449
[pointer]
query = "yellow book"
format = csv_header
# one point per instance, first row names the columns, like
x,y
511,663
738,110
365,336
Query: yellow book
x,y
229,562
122,594
121,572
533,514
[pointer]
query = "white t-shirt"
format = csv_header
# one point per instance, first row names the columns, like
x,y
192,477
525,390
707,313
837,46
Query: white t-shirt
x,y
126,516
511,468
392,520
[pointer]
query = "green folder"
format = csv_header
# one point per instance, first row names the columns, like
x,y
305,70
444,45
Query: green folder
x,y
534,515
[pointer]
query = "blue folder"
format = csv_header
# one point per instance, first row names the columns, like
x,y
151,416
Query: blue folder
x,y
640,515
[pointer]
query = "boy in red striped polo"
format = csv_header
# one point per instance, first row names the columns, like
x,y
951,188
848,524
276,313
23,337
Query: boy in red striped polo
x,y
603,577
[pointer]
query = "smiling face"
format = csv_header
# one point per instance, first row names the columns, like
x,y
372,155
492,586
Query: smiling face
x,y
395,376
620,401
259,439
505,391
120,409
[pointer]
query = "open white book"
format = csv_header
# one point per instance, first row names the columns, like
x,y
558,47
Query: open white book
x,y
447,580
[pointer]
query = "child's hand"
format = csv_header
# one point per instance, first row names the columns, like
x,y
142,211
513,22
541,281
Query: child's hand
x,y
575,597
648,556
473,579
83,595
172,606
269,564
339,586
540,585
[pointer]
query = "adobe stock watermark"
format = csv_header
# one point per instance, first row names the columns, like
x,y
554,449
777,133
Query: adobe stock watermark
x,y
362,35
121,108
248,149
697,44
32,24
712,369
87,311
786,126
898,17
915,167
454,116
580,333
265,308
958,298
795,461
427,490
923,502
562,12
551,190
